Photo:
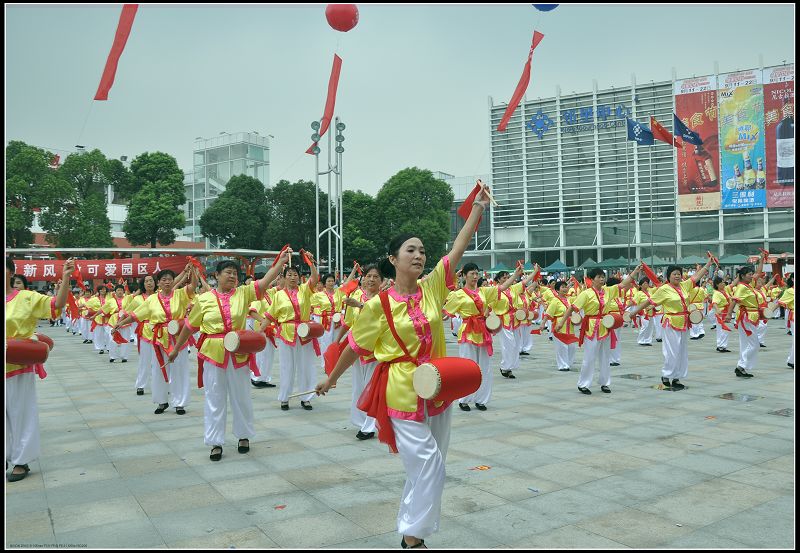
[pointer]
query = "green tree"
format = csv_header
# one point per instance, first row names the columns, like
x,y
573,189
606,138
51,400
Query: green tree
x,y
155,212
414,201
292,215
120,177
361,228
73,224
26,172
239,216
86,173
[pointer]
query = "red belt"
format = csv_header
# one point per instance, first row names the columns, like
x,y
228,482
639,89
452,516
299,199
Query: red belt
x,y
251,362
740,318
476,324
684,314
373,402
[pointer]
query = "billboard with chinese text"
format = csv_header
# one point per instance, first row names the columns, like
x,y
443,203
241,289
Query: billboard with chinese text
x,y
741,133
779,135
698,166
98,269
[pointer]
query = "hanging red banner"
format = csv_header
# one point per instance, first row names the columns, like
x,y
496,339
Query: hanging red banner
x,y
330,104
120,39
100,269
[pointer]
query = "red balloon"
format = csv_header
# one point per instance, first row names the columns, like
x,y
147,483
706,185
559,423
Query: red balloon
x,y
342,17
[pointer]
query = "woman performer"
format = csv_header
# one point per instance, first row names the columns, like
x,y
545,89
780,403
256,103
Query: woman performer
x,y
265,357
23,310
597,301
222,374
99,326
674,297
472,305
747,302
697,297
364,369
615,354
143,333
292,306
325,304
723,308
504,308
403,328
647,323
762,291
787,301
115,310
85,322
566,343
157,311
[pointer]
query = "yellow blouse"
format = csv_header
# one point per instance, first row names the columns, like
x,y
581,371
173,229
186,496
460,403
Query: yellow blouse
x,y
747,299
418,321
505,309
464,303
587,301
23,311
675,302
152,314
112,308
787,299
556,309
288,309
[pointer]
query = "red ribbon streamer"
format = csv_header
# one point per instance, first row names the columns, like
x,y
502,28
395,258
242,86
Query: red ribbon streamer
x,y
283,249
120,39
333,84
522,86
649,273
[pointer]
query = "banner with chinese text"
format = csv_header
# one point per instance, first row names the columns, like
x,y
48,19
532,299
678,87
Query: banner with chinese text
x,y
779,135
741,132
99,269
698,166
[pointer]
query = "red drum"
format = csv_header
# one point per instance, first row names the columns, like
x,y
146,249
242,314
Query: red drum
x,y
520,315
310,330
626,316
575,318
612,321
337,318
47,340
447,378
769,311
174,327
493,323
26,352
696,316
244,341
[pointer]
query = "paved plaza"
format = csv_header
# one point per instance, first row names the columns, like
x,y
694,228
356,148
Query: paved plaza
x,y
543,467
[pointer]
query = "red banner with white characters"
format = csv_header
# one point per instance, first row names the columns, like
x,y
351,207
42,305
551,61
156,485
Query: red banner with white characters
x,y
698,166
99,269
779,135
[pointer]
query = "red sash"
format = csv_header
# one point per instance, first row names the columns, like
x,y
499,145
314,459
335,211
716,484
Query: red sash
x,y
297,320
567,337
477,323
587,318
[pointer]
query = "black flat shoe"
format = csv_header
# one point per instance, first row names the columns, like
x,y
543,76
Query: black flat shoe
x,y
564,370
161,408
614,364
269,385
658,339
216,456
111,360
676,385
464,407
524,353
180,411
124,361
666,382
17,477
284,406
480,406
507,374
646,345
694,337
791,365
404,545
743,373
306,405
140,392
258,383
606,389
761,345
101,352
365,435
586,391
244,448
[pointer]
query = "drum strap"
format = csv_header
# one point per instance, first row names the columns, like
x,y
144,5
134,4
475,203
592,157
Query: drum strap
x,y
387,311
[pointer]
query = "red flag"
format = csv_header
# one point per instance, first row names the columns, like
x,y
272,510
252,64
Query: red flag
x,y
118,337
79,277
305,257
587,282
72,306
283,249
466,207
349,287
649,273
333,84
522,86
358,268
123,30
197,265
662,134
332,354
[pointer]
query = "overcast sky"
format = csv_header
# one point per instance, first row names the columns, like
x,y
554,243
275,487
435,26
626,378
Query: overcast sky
x,y
415,80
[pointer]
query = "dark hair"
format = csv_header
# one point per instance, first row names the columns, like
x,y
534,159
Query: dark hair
x,y
612,281
560,283
543,281
164,272
101,287
790,281
119,287
326,276
225,263
372,267
671,269
470,267
644,280
294,268
481,282
744,270
717,282
597,271
386,267
22,278
141,283
10,264
500,275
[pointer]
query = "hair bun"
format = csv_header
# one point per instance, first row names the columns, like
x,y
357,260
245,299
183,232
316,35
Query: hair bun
x,y
386,268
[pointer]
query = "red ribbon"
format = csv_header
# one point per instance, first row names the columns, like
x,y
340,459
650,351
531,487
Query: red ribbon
x,y
277,257
330,103
197,265
521,86
120,39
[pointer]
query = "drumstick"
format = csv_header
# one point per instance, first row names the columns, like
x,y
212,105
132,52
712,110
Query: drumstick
x,y
302,394
491,198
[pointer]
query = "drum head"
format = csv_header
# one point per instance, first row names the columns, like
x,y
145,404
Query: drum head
x,y
626,316
231,341
576,318
337,317
692,307
608,320
173,327
427,381
520,315
769,312
303,329
493,322
696,317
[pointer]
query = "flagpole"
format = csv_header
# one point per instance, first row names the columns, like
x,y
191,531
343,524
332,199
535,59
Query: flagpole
x,y
627,192
650,160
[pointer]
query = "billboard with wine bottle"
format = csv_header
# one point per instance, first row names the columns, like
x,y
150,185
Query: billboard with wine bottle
x,y
779,135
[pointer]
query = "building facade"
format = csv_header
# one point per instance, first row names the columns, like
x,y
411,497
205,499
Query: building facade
x,y
572,187
216,160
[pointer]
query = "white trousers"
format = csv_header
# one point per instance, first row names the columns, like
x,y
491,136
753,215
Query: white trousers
x,y
510,356
220,384
762,331
101,337
526,339
120,351
146,360
362,374
481,356
423,449
615,355
178,385
658,330
748,348
85,325
565,353
456,322
676,354
790,359
22,420
264,359
595,351
299,360
722,337
696,330
646,331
